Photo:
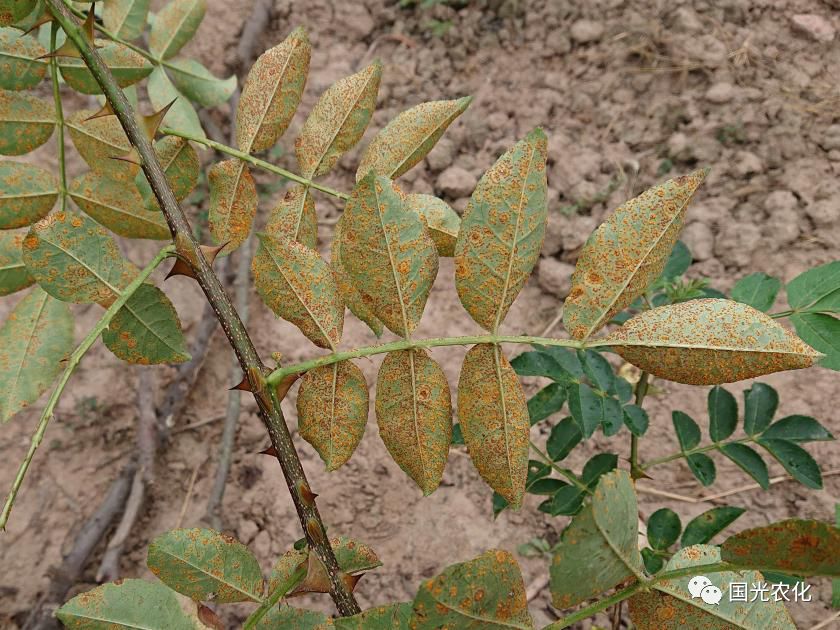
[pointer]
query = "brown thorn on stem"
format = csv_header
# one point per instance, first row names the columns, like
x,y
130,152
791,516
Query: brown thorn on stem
x,y
105,110
350,581
244,386
68,49
306,493
152,122
285,385
317,579
181,268
212,251
269,451
313,528
132,157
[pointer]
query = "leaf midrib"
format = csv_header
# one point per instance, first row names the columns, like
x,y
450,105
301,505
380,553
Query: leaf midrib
x,y
648,344
174,31
121,211
405,159
204,572
280,77
464,613
130,309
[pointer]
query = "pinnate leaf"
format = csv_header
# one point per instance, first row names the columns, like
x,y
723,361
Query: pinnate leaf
x,y
295,218
20,68
198,83
26,122
233,203
636,419
723,413
351,296
174,26
27,194
760,404
687,430
758,290
126,18
13,273
702,467
182,114
127,66
702,528
99,140
440,219
546,402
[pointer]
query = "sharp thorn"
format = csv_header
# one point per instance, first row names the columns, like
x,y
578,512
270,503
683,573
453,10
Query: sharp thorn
x,y
180,268
285,385
211,251
269,451
152,122
244,385
105,110
350,581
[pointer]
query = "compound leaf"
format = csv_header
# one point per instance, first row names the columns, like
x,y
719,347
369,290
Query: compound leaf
x,y
758,290
181,114
797,428
126,18
127,66
198,84
13,273
823,333
796,461
502,232
180,164
723,414
174,25
701,529
590,409
709,342
816,289
100,140
294,217
27,194
440,219
26,122
233,203
20,68
414,413
663,528
352,298
626,253
749,461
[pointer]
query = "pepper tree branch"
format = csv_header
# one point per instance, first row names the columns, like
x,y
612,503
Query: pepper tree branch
x,y
188,249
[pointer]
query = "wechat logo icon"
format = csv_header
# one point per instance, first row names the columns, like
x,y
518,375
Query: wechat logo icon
x,y
702,587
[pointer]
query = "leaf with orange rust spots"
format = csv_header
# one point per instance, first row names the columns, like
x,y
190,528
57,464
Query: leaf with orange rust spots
x,y
294,217
272,93
388,617
174,25
13,11
295,619
494,418
127,66
441,220
147,330
794,546
352,298
34,340
626,254
414,413
480,594
13,273
99,141
26,122
709,342
75,260
598,550
126,18
388,254
669,605
502,232
338,121
233,203
180,164
117,205
407,139
27,194
296,283
332,406
20,68
203,565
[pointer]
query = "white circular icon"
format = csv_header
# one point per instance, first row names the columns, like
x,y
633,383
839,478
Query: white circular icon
x,y
711,594
697,584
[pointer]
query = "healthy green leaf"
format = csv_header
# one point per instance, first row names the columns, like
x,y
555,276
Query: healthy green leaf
x,y
179,162
653,562
597,466
295,218
590,409
546,402
26,122
414,413
537,363
597,370
760,404
687,430
174,26
502,232
100,140
27,194
796,461
182,114
389,617
127,66
126,18
702,467
758,290
13,273
198,84
636,419
701,529
613,416
709,342
352,298
12,11
663,528
823,333
564,436
797,429
816,289
626,254
566,501
20,68
679,260
749,461
233,203
723,414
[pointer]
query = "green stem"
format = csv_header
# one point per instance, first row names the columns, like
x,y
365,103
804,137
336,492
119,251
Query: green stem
x,y
59,116
693,451
275,596
72,363
803,311
246,157
567,474
112,36
641,392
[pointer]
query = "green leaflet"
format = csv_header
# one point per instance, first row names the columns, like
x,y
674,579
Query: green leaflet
x,y
182,114
599,549
147,330
407,139
817,288
13,273
388,617
663,528
702,528
796,461
180,164
723,414
117,205
127,66
493,414
758,290
34,340
233,203
27,194
198,83
294,217
388,254
481,594
272,93
174,26
709,342
338,121
203,564
414,413
822,332
502,232
332,407
126,18
352,298
749,461
20,68
99,141
441,220
626,254
12,11
296,283
26,122
75,260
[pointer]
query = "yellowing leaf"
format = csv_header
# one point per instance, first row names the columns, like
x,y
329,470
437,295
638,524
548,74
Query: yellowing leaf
x,y
26,122
125,18
127,66
180,164
388,254
440,219
174,26
502,232
13,273
20,68
332,406
27,194
493,414
99,141
626,254
338,121
294,217
414,413
272,93
296,283
709,342
409,137
352,298
233,203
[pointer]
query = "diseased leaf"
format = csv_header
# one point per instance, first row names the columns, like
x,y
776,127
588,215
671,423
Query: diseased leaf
x,y
687,430
34,340
332,407
440,219
822,332
352,298
13,273
749,461
663,528
502,232
709,342
99,141
179,162
758,290
701,529
20,68
233,203
27,194
816,289
493,414
26,122
598,549
723,414
702,467
203,564
272,92
546,402
296,283
388,617
414,414
295,218
338,121
407,139
182,114
796,461
75,260
12,11
388,254
797,428
295,619
626,254
198,83
147,330
562,440
127,66
760,404
174,25
125,18
481,594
